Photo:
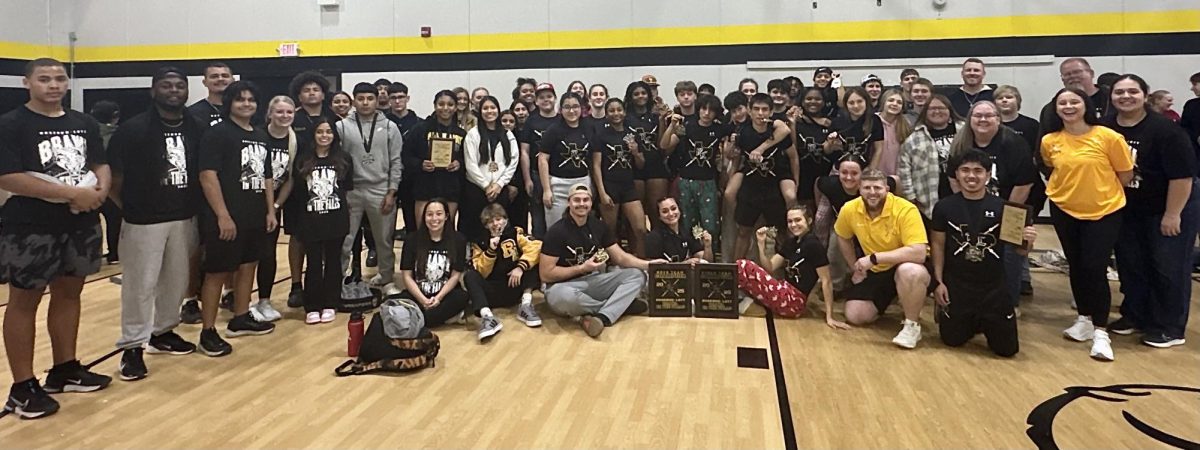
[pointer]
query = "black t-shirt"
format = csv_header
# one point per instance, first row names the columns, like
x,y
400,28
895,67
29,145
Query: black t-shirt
x,y
62,147
419,144
569,150
535,125
406,123
775,164
616,162
858,143
1161,153
207,114
942,140
810,147
804,256
277,149
1012,164
592,125
700,150
831,108
325,213
304,129
974,251
158,163
433,274
645,126
1027,128
243,165
961,101
674,247
831,187
574,244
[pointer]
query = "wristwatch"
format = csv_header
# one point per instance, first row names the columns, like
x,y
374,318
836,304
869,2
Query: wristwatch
x,y
874,260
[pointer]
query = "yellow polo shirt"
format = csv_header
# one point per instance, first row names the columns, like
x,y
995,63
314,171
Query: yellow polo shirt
x,y
1084,183
898,225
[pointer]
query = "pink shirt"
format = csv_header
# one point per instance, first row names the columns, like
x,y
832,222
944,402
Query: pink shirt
x,y
891,148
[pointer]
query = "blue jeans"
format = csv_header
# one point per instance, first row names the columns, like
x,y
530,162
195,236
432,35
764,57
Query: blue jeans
x,y
1156,270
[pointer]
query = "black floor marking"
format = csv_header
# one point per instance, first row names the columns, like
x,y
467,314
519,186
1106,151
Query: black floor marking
x,y
785,408
752,358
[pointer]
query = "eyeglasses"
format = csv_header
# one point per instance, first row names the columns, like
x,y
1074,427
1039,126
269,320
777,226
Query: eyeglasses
x,y
571,107
984,116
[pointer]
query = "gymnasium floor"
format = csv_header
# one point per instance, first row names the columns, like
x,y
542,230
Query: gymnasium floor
x,y
646,383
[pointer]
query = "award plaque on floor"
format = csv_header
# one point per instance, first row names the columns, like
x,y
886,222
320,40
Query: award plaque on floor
x,y
716,291
671,288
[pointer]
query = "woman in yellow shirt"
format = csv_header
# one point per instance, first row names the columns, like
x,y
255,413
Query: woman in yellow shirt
x,y
1091,164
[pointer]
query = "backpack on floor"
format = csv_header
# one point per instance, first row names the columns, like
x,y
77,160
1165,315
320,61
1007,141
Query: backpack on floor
x,y
382,353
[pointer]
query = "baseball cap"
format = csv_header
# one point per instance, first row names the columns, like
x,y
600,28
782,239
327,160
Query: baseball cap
x,y
650,79
543,87
167,72
579,188
824,70
869,78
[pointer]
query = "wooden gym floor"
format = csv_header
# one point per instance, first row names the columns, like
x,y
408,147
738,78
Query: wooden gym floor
x,y
646,383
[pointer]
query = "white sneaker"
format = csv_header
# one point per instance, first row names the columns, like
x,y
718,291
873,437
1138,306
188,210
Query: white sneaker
x,y
312,318
909,335
1101,346
745,304
257,314
268,311
376,280
390,289
328,314
1082,330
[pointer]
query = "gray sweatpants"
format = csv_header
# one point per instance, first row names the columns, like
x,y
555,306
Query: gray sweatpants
x,y
559,187
839,270
608,293
155,259
382,226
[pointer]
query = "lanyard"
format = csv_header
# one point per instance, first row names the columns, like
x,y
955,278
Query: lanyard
x,y
367,141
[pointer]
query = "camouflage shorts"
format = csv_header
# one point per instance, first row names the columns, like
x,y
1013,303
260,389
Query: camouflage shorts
x,y
33,260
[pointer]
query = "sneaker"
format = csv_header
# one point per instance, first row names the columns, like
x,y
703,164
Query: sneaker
x,y
638,307
488,327
212,344
372,259
1101,346
1162,340
1122,326
527,314
132,367
29,401
312,318
1081,331
327,315
169,343
376,280
745,304
267,310
190,312
227,300
73,377
592,325
245,325
459,318
909,335
256,314
1026,288
295,299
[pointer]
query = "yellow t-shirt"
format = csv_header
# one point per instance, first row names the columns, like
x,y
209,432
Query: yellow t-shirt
x,y
898,225
1084,183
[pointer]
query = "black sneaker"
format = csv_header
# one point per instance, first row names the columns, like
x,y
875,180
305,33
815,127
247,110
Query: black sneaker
x,y
29,401
1122,326
638,307
133,367
72,377
1161,340
245,325
372,259
295,298
190,312
211,343
227,301
169,343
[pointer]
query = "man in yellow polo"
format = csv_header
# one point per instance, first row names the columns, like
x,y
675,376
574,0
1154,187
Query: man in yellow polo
x,y
892,239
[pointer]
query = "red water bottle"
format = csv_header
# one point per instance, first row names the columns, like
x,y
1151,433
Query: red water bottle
x,y
355,327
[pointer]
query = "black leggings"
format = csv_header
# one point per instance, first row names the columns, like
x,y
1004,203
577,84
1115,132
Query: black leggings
x,y
455,302
267,264
494,291
1088,245
322,274
363,232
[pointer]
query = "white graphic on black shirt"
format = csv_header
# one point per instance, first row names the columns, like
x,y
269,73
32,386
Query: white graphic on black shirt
x,y
814,151
647,137
1136,182
766,167
176,175
974,246
437,271
63,155
856,149
279,163
580,255
254,158
793,270
322,191
701,154
574,155
619,155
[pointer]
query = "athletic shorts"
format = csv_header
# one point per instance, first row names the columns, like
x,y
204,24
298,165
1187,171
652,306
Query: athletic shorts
x,y
621,191
225,256
655,167
879,288
291,212
756,200
428,186
33,260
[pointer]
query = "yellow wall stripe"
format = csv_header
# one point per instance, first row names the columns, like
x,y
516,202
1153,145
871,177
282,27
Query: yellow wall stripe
x,y
1187,20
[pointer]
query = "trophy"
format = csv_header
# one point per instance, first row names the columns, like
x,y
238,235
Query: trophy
x,y
715,291
697,231
671,287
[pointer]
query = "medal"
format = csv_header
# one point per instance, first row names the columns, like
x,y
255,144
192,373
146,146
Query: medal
x,y
493,167
772,232
600,256
697,231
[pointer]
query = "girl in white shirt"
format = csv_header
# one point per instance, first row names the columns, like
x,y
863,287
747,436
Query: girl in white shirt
x,y
490,155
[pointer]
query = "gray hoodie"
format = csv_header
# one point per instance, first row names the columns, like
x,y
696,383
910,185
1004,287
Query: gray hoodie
x,y
382,168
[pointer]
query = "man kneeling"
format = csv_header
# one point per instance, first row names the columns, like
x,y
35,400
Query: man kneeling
x,y
573,254
972,272
892,237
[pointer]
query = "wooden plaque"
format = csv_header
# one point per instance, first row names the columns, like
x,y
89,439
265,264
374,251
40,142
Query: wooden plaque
x,y
441,152
716,291
671,289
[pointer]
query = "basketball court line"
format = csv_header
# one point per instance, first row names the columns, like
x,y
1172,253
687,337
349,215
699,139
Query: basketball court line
x,y
785,407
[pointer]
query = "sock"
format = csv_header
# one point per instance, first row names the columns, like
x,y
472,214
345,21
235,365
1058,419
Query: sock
x,y
190,299
297,287
225,292
485,312
526,299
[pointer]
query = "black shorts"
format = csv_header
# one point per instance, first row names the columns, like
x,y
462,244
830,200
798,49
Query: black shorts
x,y
980,310
621,191
655,167
291,212
33,260
428,186
756,200
225,256
878,288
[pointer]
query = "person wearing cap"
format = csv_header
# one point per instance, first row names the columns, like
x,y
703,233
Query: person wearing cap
x,y
155,180
831,85
530,137
874,87
564,158
972,90
572,260
652,81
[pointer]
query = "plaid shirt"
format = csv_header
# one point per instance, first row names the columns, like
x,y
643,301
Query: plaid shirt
x,y
919,170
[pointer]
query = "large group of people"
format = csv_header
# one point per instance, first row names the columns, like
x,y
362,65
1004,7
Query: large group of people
x,y
871,194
